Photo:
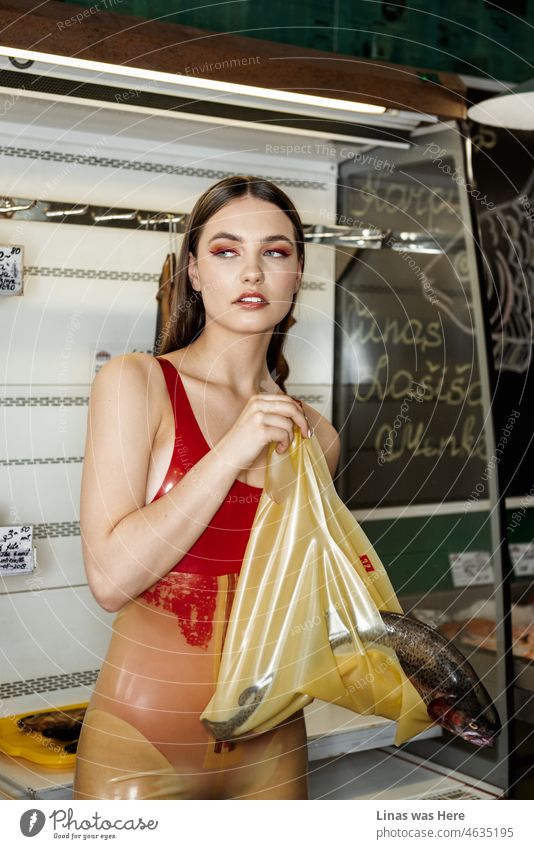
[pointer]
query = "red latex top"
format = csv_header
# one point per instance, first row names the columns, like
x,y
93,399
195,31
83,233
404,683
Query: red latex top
x,y
220,548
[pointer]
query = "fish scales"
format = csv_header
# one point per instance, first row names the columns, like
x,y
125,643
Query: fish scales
x,y
455,696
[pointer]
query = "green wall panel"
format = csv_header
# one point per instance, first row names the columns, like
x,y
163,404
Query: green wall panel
x,y
415,551
476,37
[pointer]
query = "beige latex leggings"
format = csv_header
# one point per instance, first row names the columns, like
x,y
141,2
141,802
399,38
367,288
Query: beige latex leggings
x,y
142,737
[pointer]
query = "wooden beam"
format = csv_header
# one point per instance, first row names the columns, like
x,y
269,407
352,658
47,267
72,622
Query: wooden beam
x,y
99,34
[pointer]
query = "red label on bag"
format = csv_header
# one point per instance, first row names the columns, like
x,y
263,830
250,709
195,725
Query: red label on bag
x,y
368,566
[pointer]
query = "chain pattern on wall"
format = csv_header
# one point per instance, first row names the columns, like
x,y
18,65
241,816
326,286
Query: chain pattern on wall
x,y
44,401
40,461
56,529
12,689
91,274
152,167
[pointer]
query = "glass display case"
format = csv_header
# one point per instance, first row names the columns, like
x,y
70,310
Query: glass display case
x,y
392,324
414,404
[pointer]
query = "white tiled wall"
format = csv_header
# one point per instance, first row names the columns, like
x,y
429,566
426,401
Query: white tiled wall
x,y
54,631
71,307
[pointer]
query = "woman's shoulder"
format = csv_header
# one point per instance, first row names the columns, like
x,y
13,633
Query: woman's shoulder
x,y
327,436
128,377
131,362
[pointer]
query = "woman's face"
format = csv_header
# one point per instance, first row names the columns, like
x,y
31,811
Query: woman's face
x,y
247,246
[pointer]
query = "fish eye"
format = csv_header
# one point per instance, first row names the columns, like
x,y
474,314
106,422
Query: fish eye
x,y
473,725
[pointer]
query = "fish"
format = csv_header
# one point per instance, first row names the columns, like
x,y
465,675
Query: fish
x,y
455,697
59,724
249,700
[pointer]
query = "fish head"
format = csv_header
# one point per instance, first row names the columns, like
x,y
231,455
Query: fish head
x,y
479,727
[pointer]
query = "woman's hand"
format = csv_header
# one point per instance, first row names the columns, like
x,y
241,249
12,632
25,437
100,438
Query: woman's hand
x,y
264,419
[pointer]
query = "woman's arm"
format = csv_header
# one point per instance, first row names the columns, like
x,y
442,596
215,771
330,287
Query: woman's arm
x,y
127,545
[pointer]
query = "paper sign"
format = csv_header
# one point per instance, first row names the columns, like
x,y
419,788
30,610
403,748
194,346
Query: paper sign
x,y
471,567
17,554
10,270
522,555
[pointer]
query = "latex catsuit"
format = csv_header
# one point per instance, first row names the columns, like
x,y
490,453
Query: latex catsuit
x,y
142,737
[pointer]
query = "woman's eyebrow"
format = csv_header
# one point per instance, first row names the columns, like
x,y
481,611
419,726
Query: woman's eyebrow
x,y
234,238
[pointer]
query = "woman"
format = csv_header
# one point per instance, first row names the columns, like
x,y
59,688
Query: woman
x,y
173,473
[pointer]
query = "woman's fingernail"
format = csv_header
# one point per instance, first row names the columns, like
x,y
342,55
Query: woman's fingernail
x,y
309,433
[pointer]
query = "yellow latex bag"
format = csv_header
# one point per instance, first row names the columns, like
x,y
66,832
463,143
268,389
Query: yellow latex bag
x,y
305,619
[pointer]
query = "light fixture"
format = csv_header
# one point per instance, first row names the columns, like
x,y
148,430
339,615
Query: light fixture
x,y
511,109
215,88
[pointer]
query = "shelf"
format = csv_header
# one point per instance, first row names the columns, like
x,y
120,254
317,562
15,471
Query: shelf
x,y
391,773
332,731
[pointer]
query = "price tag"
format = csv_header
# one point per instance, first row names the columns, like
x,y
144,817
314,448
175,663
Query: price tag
x,y
471,567
11,270
17,554
522,555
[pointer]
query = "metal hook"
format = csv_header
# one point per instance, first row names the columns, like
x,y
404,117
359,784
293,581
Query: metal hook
x,y
116,216
9,207
170,217
56,213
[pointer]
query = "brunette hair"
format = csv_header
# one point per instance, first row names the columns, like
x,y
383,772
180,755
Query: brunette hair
x,y
187,315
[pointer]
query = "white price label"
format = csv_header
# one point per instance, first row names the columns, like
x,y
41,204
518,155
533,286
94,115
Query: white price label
x,y
16,550
471,567
522,554
11,270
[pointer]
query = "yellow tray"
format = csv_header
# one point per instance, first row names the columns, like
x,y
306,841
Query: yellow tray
x,y
33,746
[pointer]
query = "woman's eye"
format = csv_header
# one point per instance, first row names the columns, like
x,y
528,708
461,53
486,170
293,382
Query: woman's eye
x,y
223,251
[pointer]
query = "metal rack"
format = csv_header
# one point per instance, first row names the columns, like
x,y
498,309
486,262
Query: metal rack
x,y
86,214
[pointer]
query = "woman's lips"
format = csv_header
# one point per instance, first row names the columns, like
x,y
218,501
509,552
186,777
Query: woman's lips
x,y
252,305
